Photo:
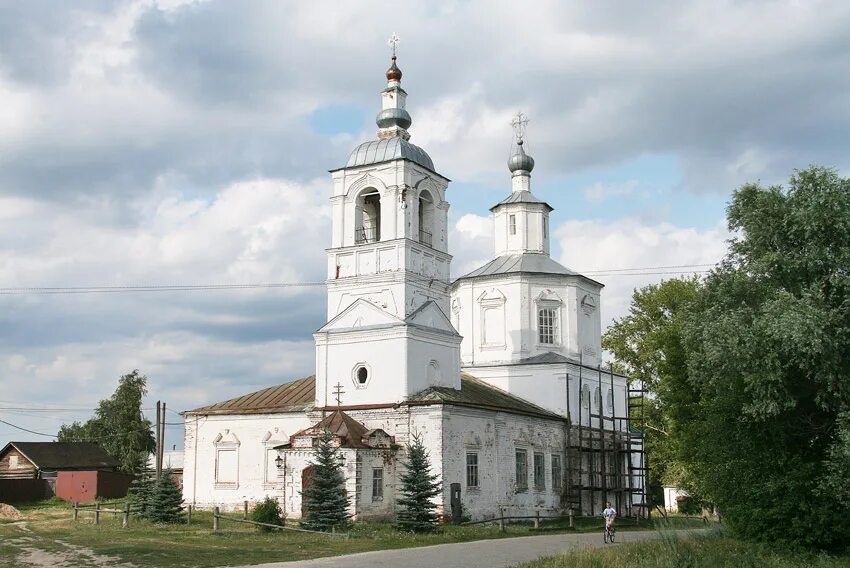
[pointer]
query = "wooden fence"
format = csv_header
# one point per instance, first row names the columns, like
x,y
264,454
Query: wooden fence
x,y
218,517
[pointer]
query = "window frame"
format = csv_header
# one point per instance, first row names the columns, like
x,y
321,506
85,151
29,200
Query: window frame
x,y
377,488
521,474
512,224
557,478
539,471
472,470
551,326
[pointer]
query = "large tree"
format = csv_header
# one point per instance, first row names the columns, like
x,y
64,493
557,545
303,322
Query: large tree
x,y
762,413
647,346
118,425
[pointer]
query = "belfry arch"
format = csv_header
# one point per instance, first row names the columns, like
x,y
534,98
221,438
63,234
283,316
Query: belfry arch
x,y
367,216
426,217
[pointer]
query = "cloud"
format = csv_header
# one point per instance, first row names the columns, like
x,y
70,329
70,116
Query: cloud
x,y
597,247
152,141
599,192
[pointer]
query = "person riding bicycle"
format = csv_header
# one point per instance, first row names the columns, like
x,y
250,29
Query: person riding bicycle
x,y
610,514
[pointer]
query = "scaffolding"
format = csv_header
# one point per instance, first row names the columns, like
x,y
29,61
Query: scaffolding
x,y
606,453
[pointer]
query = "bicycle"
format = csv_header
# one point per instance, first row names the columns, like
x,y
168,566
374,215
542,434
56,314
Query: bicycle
x,y
608,534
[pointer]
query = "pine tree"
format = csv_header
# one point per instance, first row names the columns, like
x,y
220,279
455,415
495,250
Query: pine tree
x,y
165,503
140,492
417,510
326,501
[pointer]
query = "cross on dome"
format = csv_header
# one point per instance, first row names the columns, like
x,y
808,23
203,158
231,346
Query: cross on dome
x,y
519,123
393,42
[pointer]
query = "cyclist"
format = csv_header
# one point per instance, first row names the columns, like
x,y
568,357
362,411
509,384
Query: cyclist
x,y
609,514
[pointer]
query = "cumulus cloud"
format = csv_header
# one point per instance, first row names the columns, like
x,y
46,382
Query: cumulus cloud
x,y
170,141
604,249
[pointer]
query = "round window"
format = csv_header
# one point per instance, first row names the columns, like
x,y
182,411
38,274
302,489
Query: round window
x,y
362,375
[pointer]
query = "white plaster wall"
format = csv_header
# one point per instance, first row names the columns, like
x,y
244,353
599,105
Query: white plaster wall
x,y
578,333
495,436
398,360
199,484
545,386
401,423
529,229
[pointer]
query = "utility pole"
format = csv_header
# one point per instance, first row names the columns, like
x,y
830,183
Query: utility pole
x,y
161,446
158,464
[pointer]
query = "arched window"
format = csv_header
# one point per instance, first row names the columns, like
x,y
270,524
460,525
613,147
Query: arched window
x,y
597,399
367,217
426,218
610,402
585,396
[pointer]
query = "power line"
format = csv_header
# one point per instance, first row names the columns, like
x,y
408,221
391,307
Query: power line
x,y
49,290
27,430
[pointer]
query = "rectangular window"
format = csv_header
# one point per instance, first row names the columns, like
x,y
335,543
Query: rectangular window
x,y
539,472
227,463
556,473
521,470
545,228
377,484
13,462
512,222
547,325
472,469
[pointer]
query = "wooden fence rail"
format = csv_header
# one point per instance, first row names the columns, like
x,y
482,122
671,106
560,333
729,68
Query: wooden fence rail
x,y
97,510
218,517
502,518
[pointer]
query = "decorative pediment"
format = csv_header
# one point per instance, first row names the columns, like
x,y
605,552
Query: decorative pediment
x,y
588,304
378,438
226,438
429,314
361,313
548,297
274,437
492,296
366,180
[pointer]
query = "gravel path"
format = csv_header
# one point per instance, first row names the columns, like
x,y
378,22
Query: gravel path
x,y
477,554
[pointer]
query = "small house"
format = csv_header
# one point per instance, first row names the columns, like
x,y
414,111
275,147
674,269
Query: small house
x,y
74,471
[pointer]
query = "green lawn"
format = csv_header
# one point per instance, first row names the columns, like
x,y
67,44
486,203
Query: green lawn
x,y
48,529
714,550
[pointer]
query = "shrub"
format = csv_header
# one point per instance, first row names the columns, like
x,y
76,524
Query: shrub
x,y
268,511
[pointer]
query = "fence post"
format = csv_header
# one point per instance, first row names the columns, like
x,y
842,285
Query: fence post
x,y
572,526
76,511
97,512
216,520
501,520
537,520
245,513
126,523
189,515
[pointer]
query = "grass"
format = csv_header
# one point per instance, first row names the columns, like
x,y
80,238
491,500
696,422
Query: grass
x,y
713,550
49,528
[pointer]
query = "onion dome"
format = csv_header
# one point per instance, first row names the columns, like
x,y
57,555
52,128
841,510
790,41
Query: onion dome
x,y
520,161
393,73
394,117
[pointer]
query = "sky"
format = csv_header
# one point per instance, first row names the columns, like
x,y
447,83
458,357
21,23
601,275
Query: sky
x,y
148,142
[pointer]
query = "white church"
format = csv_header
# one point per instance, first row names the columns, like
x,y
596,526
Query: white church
x,y
498,371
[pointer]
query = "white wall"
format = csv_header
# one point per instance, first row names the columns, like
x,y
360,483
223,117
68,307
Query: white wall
x,y
256,435
515,298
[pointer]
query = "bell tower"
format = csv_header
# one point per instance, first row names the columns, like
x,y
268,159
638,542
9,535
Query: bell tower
x,y
388,265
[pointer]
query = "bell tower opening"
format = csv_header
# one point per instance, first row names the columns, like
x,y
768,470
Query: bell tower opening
x,y
367,217
426,218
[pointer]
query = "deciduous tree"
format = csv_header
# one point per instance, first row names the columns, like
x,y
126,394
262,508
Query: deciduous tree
x,y
118,425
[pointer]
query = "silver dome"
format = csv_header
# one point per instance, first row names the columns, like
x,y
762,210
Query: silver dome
x,y
394,117
520,161
394,148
